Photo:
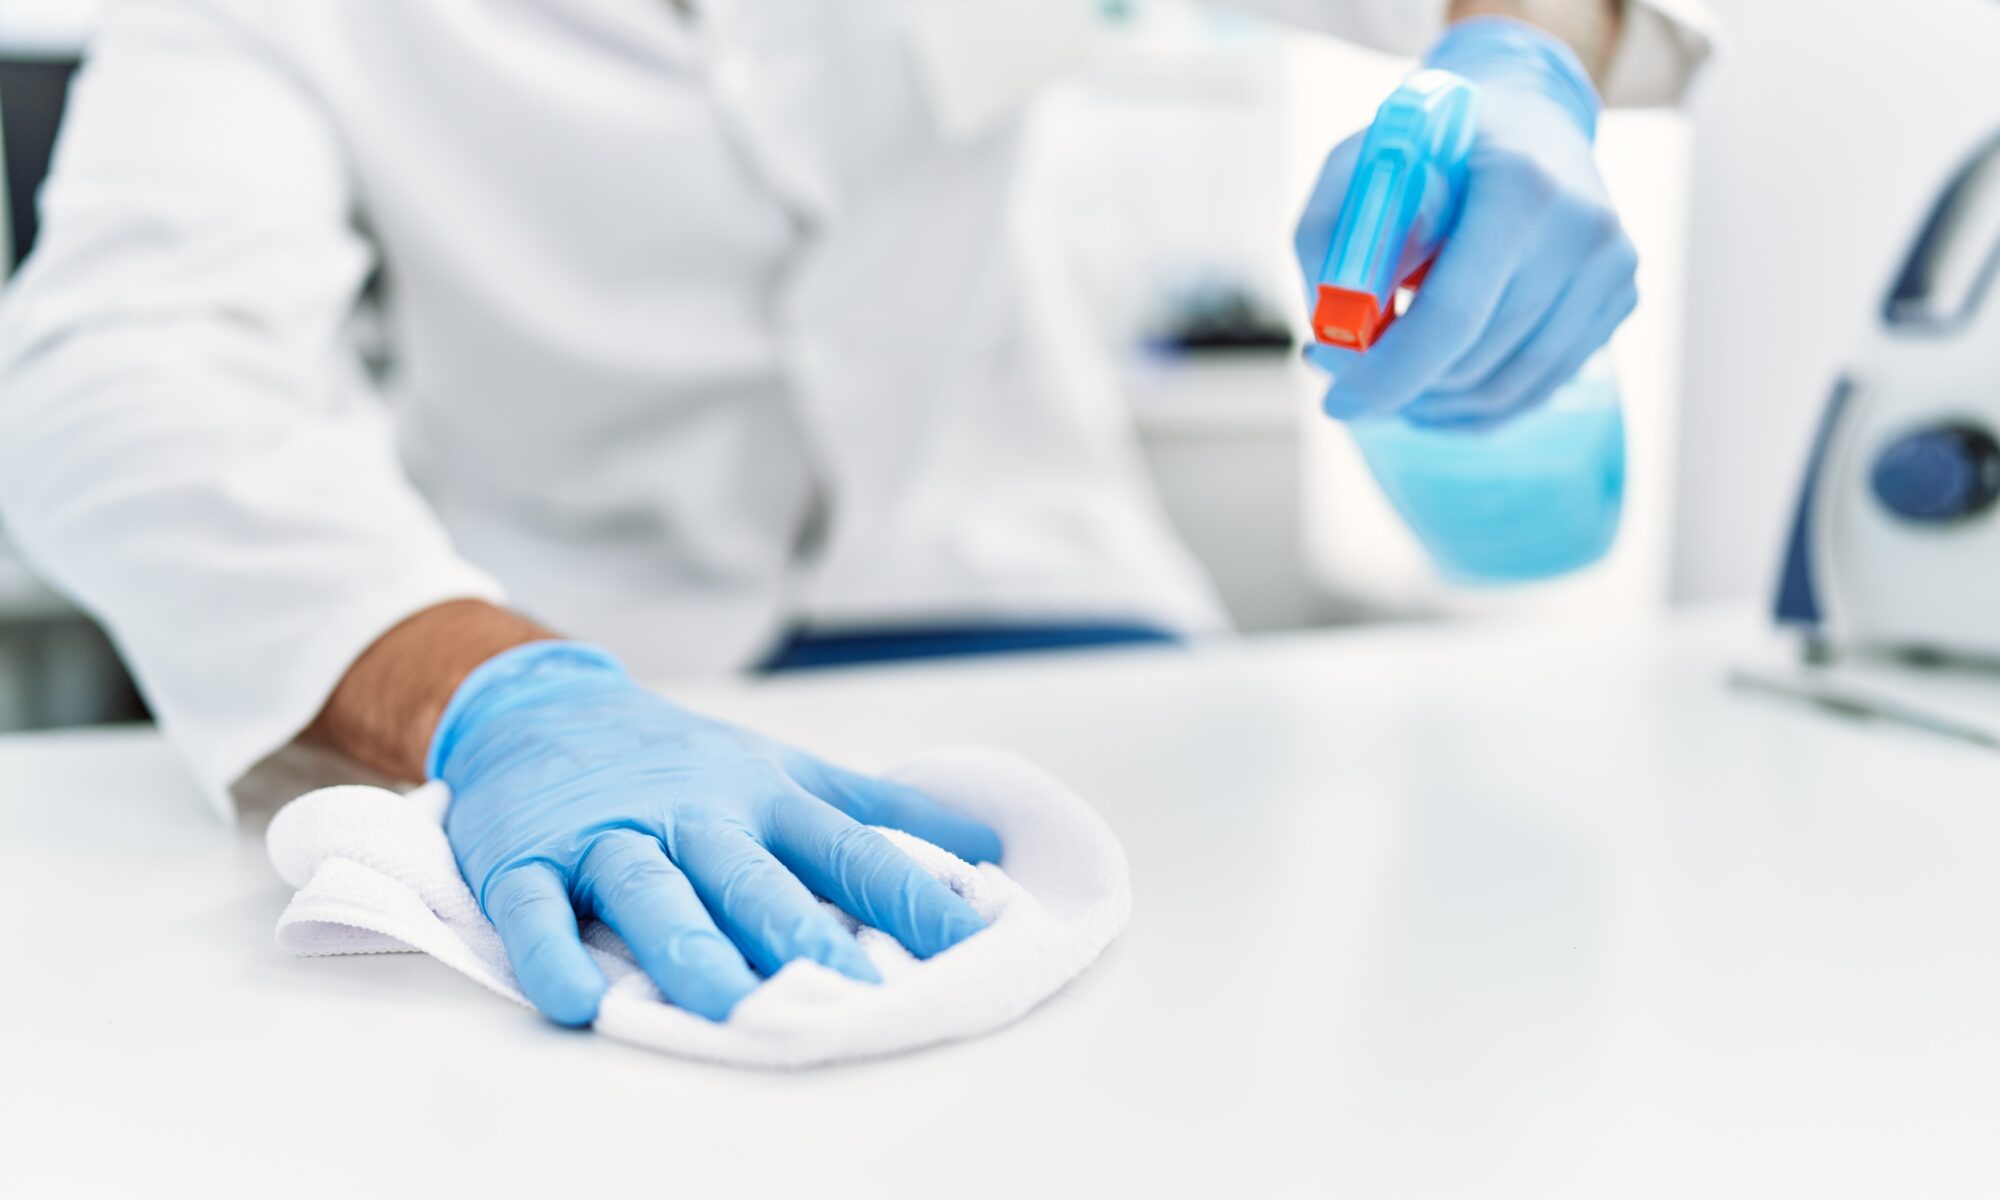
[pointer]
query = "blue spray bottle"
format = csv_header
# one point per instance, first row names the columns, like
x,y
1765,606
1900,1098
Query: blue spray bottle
x,y
1533,497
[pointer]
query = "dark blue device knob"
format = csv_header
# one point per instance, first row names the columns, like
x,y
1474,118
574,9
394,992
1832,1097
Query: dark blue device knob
x,y
1942,473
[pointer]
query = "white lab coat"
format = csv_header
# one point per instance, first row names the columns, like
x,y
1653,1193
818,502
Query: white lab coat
x,y
698,328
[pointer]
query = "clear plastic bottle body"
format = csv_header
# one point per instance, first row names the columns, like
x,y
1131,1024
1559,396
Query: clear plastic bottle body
x,y
1536,496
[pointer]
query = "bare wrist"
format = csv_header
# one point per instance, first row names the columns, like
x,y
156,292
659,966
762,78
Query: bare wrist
x,y
382,712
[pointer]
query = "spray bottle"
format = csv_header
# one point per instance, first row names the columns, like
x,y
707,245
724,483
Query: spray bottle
x,y
1538,494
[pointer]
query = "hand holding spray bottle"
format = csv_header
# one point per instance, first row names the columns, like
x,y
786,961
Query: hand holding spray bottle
x,y
1534,489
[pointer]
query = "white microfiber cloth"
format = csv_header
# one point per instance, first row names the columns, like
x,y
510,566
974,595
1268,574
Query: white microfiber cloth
x,y
376,875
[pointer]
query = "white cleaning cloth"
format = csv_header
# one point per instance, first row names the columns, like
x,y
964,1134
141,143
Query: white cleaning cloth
x,y
375,875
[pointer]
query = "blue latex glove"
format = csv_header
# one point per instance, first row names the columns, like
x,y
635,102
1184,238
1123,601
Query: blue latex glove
x,y
1537,273
701,844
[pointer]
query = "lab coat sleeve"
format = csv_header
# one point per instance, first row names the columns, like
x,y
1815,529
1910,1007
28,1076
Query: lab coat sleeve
x,y
1662,46
187,444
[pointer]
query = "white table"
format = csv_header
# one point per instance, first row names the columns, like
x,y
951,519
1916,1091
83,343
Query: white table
x,y
1419,912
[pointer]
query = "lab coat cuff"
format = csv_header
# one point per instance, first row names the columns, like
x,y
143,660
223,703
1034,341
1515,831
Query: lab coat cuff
x,y
1659,53
224,764
1660,50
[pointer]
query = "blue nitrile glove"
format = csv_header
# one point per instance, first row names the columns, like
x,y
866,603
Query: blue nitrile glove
x,y
574,789
1537,273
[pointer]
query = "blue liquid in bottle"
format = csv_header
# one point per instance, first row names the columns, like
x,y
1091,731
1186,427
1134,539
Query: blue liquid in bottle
x,y
1531,498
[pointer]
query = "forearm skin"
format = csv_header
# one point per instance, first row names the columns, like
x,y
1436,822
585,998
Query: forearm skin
x,y
384,709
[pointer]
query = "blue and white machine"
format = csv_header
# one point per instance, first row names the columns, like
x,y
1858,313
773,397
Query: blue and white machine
x,y
1895,549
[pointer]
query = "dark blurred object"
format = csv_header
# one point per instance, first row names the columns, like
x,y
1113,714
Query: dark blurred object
x,y
56,667
1224,319
32,92
59,669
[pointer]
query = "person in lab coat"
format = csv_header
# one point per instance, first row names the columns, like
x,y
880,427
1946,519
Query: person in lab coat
x,y
369,343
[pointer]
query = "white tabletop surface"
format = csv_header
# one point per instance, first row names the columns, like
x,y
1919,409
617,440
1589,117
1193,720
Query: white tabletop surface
x,y
1419,913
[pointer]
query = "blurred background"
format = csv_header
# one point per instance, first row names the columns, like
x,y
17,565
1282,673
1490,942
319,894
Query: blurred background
x,y
1769,216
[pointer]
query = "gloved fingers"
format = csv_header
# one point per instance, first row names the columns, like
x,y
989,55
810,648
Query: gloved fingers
x,y
1537,390
1331,359
1314,233
875,801
1457,411
1590,310
1600,295
1486,409
1450,312
861,871
762,906
531,909
1570,242
634,889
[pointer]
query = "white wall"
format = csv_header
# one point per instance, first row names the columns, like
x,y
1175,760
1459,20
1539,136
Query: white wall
x,y
1822,135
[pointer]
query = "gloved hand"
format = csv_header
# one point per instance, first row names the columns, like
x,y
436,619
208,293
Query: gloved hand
x,y
1536,275
701,844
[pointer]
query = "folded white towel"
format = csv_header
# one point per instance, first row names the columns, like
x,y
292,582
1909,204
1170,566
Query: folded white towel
x,y
375,875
